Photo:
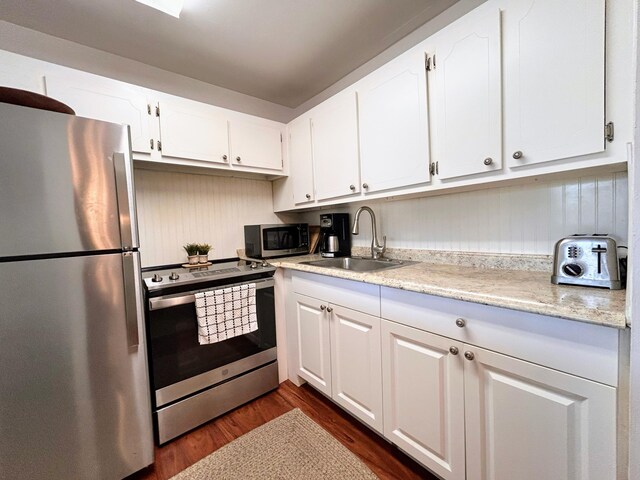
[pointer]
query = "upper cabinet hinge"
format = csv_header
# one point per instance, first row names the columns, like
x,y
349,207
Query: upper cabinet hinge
x,y
280,138
433,168
430,62
608,132
159,146
157,110
149,108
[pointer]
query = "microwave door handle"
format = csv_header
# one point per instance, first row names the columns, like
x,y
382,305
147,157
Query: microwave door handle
x,y
159,303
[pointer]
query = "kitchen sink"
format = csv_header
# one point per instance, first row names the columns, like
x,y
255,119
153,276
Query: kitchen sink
x,y
358,264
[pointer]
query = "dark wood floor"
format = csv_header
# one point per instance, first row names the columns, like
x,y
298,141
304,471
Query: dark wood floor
x,y
381,457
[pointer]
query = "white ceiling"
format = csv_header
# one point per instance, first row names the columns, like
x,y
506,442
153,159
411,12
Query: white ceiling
x,y
283,51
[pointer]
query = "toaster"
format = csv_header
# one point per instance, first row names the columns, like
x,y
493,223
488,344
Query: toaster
x,y
590,260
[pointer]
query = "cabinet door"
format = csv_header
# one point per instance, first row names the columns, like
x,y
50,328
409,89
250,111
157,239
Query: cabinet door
x,y
529,422
356,374
335,147
108,100
300,160
256,143
467,93
194,131
394,138
424,397
314,342
554,79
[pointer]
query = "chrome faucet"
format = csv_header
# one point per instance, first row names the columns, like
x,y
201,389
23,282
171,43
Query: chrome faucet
x,y
377,250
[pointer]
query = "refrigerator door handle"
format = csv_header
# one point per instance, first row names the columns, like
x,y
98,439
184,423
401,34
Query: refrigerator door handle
x,y
122,193
130,303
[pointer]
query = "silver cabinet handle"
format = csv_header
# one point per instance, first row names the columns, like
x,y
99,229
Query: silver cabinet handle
x,y
352,187
308,196
517,155
224,157
469,355
461,322
365,185
323,307
238,159
453,350
329,309
130,304
488,161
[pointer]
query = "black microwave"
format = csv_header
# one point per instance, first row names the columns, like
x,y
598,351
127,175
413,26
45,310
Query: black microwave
x,y
268,241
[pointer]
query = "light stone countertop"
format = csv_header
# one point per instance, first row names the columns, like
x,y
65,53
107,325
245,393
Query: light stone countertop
x,y
528,291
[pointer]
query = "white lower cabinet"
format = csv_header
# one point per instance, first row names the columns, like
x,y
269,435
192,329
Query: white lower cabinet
x,y
423,385
529,422
450,399
339,354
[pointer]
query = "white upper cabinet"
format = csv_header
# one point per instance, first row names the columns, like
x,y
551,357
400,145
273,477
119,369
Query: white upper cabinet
x,y
255,143
465,70
301,160
554,57
109,100
30,81
193,130
394,129
335,147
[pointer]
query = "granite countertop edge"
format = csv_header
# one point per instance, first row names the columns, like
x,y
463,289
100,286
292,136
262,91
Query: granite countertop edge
x,y
576,308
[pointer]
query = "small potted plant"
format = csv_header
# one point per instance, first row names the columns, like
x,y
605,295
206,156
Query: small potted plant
x,y
192,250
203,252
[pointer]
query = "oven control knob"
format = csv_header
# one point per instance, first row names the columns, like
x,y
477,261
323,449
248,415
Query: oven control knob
x,y
572,270
174,276
156,278
254,265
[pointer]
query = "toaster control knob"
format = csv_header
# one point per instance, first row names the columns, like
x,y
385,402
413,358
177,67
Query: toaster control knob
x,y
572,270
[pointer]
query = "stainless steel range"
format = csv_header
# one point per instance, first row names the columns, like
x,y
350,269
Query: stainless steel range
x,y
193,383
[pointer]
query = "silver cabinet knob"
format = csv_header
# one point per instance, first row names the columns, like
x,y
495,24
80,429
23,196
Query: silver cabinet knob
x,y
352,187
453,350
329,309
308,196
365,185
517,155
238,159
488,161
323,307
224,157
461,322
469,355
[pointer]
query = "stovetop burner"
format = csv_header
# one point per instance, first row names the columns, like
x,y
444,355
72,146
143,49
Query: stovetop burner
x,y
169,277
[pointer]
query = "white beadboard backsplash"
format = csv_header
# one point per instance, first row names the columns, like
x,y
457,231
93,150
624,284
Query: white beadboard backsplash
x,y
178,208
524,219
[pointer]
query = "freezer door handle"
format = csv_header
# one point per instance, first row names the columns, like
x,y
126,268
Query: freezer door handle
x,y
130,303
122,193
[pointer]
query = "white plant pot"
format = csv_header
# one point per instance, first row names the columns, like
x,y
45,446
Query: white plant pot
x,y
203,258
193,259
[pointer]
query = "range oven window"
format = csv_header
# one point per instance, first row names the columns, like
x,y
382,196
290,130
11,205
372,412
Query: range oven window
x,y
281,238
176,354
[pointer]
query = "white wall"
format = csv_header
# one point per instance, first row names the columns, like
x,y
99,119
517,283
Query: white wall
x,y
519,219
178,208
31,43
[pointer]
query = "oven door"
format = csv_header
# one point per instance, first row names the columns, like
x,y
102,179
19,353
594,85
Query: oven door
x,y
181,366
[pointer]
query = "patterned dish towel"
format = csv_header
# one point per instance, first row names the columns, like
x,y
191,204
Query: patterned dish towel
x,y
226,313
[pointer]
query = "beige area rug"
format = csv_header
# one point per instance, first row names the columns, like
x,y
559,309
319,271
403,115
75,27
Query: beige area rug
x,y
291,446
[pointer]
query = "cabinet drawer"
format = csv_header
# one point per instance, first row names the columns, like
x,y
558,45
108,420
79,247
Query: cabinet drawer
x,y
359,296
586,350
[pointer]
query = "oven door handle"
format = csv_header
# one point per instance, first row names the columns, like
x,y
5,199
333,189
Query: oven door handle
x,y
159,303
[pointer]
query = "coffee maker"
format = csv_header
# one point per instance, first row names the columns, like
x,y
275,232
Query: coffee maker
x,y
335,236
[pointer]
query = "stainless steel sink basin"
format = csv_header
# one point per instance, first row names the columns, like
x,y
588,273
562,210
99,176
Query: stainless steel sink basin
x,y
357,264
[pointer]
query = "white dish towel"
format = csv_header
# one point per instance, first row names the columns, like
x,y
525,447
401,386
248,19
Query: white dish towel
x,y
226,313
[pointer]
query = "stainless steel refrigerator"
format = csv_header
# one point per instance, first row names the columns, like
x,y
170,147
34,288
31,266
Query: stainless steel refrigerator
x,y
74,389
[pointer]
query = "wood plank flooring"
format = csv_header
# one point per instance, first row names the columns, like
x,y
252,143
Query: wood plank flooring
x,y
382,458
